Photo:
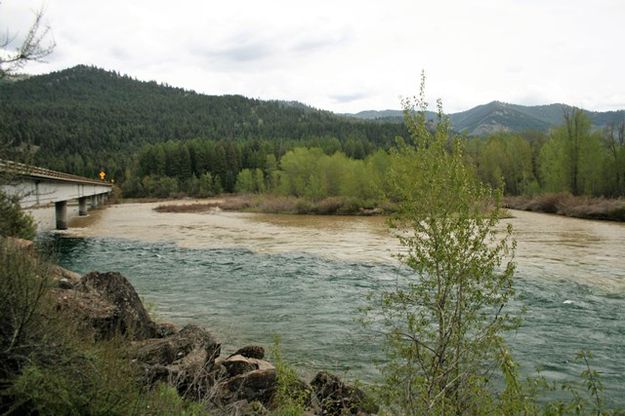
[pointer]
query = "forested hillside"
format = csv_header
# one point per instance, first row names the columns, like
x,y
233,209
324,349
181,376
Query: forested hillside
x,y
84,118
157,140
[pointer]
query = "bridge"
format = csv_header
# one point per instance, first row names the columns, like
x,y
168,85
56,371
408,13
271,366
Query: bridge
x,y
38,187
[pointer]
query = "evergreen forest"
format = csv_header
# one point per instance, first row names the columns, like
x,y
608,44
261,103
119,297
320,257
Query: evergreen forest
x,y
157,140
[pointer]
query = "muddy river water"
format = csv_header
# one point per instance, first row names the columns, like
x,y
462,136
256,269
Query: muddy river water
x,y
250,277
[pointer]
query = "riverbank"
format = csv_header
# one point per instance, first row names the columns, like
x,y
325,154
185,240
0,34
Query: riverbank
x,y
561,204
275,204
570,206
96,326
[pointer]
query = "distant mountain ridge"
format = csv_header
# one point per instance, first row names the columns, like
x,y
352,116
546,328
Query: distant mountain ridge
x,y
497,116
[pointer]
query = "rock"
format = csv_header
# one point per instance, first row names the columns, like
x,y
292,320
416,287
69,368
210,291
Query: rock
x,y
258,385
88,310
251,351
165,329
191,375
104,302
185,360
166,351
22,244
130,318
65,284
238,364
245,408
66,279
159,373
337,398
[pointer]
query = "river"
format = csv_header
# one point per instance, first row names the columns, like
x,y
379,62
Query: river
x,y
250,277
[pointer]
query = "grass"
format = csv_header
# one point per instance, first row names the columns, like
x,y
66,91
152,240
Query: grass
x,y
571,206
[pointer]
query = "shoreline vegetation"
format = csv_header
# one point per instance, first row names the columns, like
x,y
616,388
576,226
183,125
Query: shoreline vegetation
x,y
275,204
564,204
87,345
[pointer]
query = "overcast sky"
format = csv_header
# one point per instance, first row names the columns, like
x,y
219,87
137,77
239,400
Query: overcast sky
x,y
348,56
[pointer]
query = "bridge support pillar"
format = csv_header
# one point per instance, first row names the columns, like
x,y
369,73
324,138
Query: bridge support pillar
x,y
60,209
82,206
94,201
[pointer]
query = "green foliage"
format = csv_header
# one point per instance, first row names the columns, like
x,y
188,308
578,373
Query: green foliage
x,y
614,141
136,129
100,383
310,173
23,284
123,114
579,397
572,160
160,186
250,181
291,394
13,221
505,161
48,367
444,326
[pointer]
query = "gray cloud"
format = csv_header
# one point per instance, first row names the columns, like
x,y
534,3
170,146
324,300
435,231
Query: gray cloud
x,y
239,53
350,55
347,98
316,43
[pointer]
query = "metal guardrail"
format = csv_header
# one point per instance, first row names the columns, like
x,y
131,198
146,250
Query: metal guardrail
x,y
21,169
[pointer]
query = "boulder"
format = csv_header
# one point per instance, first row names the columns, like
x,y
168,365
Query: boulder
x,y
238,364
154,374
192,376
130,316
65,279
245,408
337,398
185,360
258,385
88,310
165,329
166,351
251,351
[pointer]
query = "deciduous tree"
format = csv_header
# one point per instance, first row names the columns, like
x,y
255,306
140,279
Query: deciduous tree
x,y
443,325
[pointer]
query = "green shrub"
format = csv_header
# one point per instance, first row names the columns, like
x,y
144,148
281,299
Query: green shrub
x,y
23,285
48,367
291,395
13,221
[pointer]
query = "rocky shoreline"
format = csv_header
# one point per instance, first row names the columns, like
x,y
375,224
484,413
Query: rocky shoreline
x,y
189,358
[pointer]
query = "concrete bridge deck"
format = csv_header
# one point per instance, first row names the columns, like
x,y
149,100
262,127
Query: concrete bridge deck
x,y
39,187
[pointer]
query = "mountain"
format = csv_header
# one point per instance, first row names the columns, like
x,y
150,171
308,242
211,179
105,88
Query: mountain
x,y
377,115
497,116
83,117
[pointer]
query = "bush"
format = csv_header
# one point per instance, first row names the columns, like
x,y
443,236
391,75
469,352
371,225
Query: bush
x,y
291,394
22,289
443,325
13,221
48,367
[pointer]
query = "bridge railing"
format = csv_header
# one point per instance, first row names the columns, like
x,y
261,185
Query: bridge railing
x,y
12,168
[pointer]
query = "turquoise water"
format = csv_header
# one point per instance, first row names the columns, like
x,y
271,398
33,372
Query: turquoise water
x,y
313,302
